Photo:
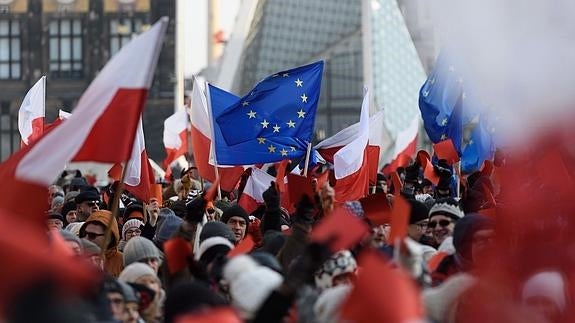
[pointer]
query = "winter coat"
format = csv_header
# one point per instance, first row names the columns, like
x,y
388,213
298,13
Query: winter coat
x,y
114,262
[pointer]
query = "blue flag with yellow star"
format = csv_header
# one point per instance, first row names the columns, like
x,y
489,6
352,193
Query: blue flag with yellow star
x,y
274,121
449,111
441,102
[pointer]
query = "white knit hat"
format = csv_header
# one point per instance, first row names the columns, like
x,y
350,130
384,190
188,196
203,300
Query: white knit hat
x,y
250,284
211,243
136,270
342,262
130,224
547,284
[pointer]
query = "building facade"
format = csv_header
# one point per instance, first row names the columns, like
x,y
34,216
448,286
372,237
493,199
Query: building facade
x,y
69,41
285,34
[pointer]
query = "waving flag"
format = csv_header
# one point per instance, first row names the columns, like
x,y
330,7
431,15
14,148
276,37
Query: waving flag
x,y
202,141
449,111
32,112
351,167
139,176
102,128
175,137
274,121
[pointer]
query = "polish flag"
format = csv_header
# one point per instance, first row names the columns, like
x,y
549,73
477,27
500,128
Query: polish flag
x,y
32,112
175,137
201,141
351,167
102,128
62,115
405,146
256,185
139,176
377,137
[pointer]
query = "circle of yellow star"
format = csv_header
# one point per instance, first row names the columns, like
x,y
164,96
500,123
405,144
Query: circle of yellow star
x,y
272,149
298,83
264,123
291,124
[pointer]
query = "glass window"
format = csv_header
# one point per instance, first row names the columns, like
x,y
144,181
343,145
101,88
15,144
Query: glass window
x,y
66,48
10,55
121,32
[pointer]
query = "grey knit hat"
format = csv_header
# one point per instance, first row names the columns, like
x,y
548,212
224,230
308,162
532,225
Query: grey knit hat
x,y
140,248
69,236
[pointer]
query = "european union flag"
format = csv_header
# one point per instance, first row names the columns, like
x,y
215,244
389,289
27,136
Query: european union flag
x,y
274,121
447,108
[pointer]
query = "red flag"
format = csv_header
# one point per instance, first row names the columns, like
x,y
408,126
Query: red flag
x,y
376,208
399,218
245,246
428,171
446,150
371,300
299,186
177,251
340,229
139,173
397,184
373,163
157,191
115,172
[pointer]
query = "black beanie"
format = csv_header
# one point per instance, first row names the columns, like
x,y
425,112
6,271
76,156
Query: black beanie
x,y
235,210
419,211
179,208
464,230
67,207
217,229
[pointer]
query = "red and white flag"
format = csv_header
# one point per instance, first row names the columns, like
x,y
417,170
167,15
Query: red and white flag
x,y
256,185
101,129
32,112
350,163
139,175
175,137
405,146
201,141
378,136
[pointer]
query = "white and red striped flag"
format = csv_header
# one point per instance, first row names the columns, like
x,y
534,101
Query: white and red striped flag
x,y
175,137
405,146
350,163
139,173
101,129
256,185
32,112
201,141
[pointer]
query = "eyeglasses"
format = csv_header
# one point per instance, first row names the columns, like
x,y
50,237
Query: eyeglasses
x,y
92,235
210,211
93,203
134,231
442,223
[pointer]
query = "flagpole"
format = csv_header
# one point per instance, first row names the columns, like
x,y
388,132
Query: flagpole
x,y
213,145
114,210
305,167
44,98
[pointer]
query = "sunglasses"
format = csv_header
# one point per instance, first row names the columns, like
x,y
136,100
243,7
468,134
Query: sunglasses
x,y
442,223
92,235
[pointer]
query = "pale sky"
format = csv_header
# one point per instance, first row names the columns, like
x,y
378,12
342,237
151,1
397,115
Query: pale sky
x,y
196,38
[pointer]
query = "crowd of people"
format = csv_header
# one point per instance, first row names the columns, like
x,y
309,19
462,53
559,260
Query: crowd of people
x,y
265,267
